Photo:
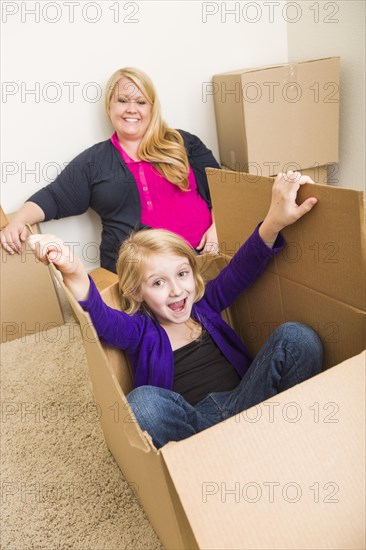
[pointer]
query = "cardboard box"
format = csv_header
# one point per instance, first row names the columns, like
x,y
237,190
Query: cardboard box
x,y
319,174
278,118
288,473
318,279
29,302
103,278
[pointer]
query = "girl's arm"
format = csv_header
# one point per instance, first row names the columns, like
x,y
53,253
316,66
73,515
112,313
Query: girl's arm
x,y
252,257
113,326
50,249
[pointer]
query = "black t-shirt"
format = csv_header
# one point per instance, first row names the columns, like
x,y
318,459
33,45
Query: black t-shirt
x,y
200,368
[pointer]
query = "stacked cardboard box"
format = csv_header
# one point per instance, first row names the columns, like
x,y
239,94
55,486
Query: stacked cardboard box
x,y
279,118
288,473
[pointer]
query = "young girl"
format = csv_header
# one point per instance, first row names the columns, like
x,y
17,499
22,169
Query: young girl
x,y
191,370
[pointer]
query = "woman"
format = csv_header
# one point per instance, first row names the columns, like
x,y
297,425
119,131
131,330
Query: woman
x,y
145,175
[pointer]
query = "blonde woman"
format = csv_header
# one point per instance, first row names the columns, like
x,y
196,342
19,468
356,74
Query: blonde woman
x,y
146,175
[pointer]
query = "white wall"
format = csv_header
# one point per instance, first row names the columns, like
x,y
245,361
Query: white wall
x,y
180,44
338,29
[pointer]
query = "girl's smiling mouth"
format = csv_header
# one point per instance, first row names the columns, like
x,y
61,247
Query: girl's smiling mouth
x,y
178,306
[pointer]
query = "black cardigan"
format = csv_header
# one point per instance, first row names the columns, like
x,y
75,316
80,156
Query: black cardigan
x,y
99,178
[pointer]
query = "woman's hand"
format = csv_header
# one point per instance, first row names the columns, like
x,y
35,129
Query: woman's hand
x,y
283,210
13,235
209,242
51,249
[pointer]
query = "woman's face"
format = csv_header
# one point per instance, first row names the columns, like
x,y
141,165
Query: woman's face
x,y
130,112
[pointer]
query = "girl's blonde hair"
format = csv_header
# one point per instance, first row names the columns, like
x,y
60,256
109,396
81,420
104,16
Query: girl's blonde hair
x,y
133,258
162,146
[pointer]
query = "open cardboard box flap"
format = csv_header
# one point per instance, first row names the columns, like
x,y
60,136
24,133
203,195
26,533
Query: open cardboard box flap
x,y
318,279
301,452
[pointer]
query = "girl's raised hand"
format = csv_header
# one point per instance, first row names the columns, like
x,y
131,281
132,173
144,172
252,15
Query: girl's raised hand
x,y
283,210
49,248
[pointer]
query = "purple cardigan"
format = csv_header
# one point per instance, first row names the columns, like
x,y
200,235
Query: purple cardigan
x,y
146,342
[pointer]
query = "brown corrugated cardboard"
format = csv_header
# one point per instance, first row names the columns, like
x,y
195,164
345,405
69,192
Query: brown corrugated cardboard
x,y
29,302
103,278
318,279
281,474
288,473
296,462
319,174
278,118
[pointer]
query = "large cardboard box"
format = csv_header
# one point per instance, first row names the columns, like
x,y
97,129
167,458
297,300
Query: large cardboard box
x,y
278,118
288,473
318,279
28,298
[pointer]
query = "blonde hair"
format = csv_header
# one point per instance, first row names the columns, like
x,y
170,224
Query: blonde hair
x,y
134,255
162,146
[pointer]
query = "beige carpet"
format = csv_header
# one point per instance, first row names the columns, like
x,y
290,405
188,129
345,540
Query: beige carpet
x,y
60,486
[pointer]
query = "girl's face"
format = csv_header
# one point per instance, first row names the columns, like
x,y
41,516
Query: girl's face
x,y
168,288
130,112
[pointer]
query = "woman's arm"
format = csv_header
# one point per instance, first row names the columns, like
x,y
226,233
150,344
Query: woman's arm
x,y
200,158
68,195
209,242
13,234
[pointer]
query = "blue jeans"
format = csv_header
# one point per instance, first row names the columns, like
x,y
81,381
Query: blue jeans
x,y
291,354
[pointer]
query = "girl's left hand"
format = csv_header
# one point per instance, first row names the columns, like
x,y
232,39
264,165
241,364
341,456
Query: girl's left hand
x,y
283,209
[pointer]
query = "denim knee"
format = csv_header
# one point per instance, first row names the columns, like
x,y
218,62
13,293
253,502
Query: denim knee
x,y
152,404
306,338
144,397
163,413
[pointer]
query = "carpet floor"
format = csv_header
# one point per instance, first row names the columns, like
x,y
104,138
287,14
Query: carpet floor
x,y
60,486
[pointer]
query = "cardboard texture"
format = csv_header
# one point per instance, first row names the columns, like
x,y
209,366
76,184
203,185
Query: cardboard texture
x,y
278,118
103,278
319,174
282,479
288,473
29,302
318,279
198,498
